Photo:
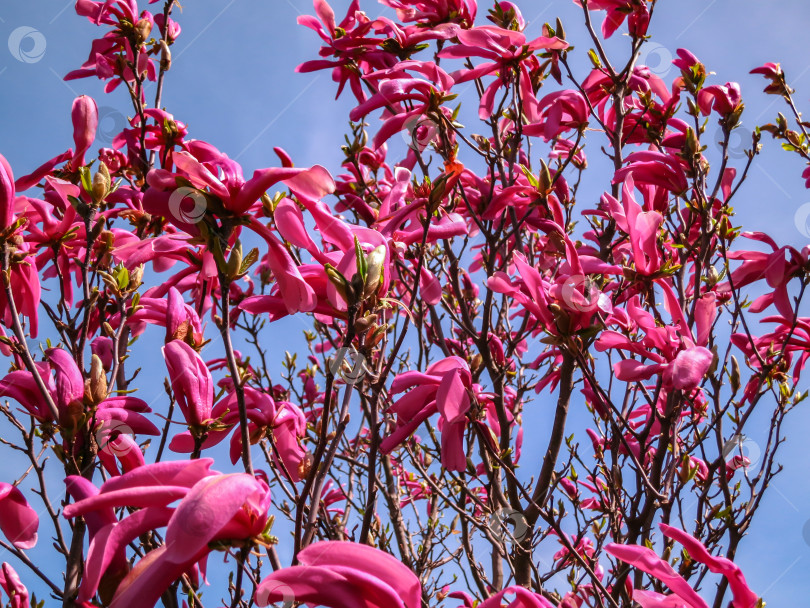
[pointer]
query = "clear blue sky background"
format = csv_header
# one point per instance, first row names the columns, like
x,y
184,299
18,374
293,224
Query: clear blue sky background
x,y
233,84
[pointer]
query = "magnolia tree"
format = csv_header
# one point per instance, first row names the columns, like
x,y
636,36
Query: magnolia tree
x,y
454,284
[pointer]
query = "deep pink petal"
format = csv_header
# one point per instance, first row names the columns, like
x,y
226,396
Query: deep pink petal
x,y
18,521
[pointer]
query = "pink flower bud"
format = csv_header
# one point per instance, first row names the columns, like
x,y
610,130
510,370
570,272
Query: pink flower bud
x,y
85,123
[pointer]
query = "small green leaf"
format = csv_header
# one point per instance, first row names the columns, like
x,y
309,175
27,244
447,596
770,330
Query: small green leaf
x,y
87,179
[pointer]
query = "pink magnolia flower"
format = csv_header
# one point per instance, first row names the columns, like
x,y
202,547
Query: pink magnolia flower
x,y
774,73
348,43
641,226
67,388
724,100
507,15
12,585
776,267
505,50
655,168
791,337
410,38
598,87
442,388
557,113
685,372
396,87
645,559
282,421
434,12
162,135
685,60
618,11
215,176
209,170
570,289
191,383
172,312
105,52
564,149
212,507
341,574
769,70
671,348
18,521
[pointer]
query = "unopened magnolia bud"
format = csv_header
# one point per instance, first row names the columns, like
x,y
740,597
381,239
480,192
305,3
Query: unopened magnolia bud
x,y
734,377
545,177
101,183
376,270
135,277
165,56
364,323
561,317
305,466
97,381
142,30
338,280
692,145
712,276
98,228
234,260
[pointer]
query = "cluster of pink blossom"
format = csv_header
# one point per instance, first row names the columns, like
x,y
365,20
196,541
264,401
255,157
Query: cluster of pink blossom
x,y
476,292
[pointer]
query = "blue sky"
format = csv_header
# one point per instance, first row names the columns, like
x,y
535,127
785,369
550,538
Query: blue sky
x,y
233,84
